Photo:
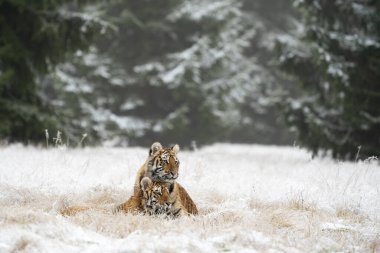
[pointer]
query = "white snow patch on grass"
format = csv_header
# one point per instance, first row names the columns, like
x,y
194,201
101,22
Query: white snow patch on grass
x,y
251,199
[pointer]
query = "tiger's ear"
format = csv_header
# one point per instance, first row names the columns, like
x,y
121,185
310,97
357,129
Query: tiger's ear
x,y
175,148
154,148
145,182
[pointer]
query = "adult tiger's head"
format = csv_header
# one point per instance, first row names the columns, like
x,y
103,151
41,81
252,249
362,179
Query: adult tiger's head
x,y
155,199
163,163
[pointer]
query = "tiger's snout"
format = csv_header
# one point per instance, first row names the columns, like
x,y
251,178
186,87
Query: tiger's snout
x,y
174,175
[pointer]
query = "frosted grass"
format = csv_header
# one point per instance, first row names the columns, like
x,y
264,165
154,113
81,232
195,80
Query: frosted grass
x,y
251,199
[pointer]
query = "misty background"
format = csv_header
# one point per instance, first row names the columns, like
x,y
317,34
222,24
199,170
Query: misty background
x,y
195,72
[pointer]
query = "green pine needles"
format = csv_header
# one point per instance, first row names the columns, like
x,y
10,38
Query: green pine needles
x,y
338,68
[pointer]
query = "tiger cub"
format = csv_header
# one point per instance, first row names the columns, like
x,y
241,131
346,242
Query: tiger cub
x,y
153,200
160,199
155,197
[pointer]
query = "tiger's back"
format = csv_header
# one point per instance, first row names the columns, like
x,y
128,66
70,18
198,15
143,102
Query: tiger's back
x,y
132,205
181,202
186,201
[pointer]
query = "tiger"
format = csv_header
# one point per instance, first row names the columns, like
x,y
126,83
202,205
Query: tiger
x,y
153,200
172,201
162,167
155,197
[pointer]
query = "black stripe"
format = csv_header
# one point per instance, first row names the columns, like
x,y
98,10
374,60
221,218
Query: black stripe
x,y
176,212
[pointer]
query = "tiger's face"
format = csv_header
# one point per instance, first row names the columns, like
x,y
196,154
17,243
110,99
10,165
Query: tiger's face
x,y
155,199
163,163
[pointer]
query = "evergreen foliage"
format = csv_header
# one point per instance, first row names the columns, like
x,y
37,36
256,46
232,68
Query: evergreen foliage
x,y
34,36
338,68
195,70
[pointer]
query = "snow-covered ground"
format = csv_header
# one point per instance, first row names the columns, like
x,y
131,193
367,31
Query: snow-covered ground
x,y
251,199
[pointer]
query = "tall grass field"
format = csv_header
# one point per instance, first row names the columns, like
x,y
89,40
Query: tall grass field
x,y
251,199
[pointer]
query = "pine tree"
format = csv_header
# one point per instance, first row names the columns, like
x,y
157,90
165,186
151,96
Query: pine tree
x,y
337,65
100,86
260,120
34,36
195,70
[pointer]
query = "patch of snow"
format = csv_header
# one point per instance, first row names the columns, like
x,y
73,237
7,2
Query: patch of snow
x,y
196,10
335,226
172,74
